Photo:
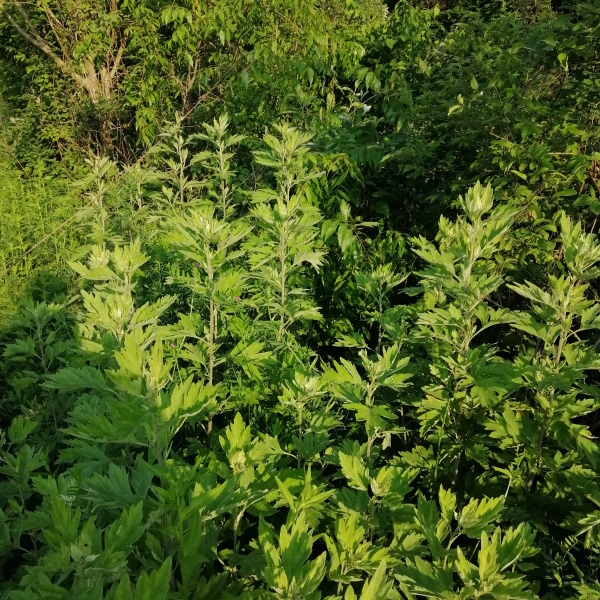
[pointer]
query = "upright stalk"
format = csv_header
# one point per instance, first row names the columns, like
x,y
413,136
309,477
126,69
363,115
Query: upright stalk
x,y
282,277
223,180
550,398
212,317
283,242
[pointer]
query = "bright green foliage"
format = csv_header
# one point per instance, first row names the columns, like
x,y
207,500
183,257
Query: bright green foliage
x,y
32,207
289,573
217,161
335,328
459,278
286,230
152,495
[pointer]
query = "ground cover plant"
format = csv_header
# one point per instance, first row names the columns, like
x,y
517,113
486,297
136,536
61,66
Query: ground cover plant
x,y
299,316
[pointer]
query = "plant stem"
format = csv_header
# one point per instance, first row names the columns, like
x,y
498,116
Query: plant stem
x,y
211,328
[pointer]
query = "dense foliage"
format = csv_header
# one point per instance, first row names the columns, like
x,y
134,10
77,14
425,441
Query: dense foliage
x,y
299,300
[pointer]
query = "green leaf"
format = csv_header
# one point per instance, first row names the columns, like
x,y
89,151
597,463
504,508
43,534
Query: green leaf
x,y
72,379
355,471
126,530
377,588
345,237
328,228
154,586
123,591
478,515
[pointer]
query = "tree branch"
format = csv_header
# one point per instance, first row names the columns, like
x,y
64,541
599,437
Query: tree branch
x,y
118,59
36,40
55,24
97,84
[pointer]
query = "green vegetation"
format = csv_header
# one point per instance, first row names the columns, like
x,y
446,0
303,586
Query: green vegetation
x,y
299,300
